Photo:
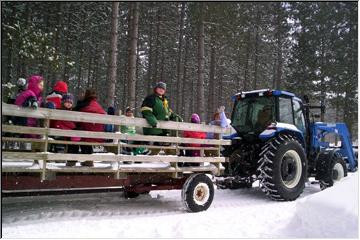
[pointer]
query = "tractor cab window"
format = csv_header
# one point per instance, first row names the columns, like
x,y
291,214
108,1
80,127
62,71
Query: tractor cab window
x,y
299,116
285,110
253,115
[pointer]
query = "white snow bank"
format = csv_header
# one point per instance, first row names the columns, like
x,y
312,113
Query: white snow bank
x,y
332,213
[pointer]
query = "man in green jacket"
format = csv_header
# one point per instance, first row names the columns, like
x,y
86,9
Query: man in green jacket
x,y
156,107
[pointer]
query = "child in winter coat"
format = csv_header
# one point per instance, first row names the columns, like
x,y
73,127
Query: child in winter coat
x,y
221,120
131,130
193,134
128,129
31,97
110,127
21,86
90,105
60,88
67,104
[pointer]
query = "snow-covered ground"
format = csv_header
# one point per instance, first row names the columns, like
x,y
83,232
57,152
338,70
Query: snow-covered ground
x,y
243,213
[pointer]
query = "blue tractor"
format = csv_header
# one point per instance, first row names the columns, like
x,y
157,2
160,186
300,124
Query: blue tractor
x,y
278,143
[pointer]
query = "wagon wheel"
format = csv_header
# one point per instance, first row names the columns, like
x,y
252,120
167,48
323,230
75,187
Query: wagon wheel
x,y
197,193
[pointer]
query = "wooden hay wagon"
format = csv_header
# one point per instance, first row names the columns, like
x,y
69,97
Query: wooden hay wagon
x,y
136,174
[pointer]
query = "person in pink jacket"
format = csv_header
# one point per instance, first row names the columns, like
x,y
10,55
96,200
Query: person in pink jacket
x,y
31,97
194,134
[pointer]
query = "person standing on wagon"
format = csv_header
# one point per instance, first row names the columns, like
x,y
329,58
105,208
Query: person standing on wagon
x,y
156,107
90,105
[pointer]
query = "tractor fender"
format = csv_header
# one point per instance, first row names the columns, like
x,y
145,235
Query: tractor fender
x,y
277,128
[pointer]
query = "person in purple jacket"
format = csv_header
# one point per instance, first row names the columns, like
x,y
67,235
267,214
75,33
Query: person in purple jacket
x,y
31,97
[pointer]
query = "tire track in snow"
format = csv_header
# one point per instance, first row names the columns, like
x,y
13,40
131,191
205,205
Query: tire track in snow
x,y
104,208
113,205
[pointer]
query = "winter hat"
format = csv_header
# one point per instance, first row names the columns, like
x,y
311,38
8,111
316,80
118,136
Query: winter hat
x,y
111,111
61,86
195,118
129,109
160,85
68,98
33,84
21,82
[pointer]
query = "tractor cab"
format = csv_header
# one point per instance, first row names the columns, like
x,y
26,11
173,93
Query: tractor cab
x,y
256,114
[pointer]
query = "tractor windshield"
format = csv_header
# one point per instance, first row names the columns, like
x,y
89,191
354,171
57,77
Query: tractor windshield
x,y
252,115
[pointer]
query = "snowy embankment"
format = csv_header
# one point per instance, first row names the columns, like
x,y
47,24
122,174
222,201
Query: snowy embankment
x,y
332,213
243,213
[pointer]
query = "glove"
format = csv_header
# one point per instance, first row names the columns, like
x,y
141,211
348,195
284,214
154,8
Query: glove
x,y
221,109
34,105
176,118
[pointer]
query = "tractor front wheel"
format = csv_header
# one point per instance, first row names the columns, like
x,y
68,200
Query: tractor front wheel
x,y
282,168
330,168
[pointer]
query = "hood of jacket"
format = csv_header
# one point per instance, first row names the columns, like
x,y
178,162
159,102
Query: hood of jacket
x,y
33,84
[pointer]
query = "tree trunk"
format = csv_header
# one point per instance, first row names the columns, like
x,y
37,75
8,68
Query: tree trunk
x,y
212,79
279,65
110,99
134,22
67,47
201,63
157,46
185,110
246,71
151,58
53,72
9,77
180,66
256,57
322,80
89,69
22,61
279,39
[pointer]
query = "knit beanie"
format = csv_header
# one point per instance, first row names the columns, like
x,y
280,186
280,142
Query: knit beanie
x,y
160,85
21,83
61,86
195,118
68,98
111,111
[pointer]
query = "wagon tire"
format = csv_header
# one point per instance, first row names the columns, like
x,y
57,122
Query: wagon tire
x,y
197,193
130,194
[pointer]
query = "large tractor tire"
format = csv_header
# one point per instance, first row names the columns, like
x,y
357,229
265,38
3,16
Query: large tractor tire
x,y
197,193
283,168
330,168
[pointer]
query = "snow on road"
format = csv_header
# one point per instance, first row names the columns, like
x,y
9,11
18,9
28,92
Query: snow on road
x,y
243,213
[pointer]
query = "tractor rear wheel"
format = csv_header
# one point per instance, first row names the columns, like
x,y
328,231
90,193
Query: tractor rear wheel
x,y
283,168
330,168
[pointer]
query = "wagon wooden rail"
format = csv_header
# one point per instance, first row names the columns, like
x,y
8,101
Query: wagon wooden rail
x,y
149,171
